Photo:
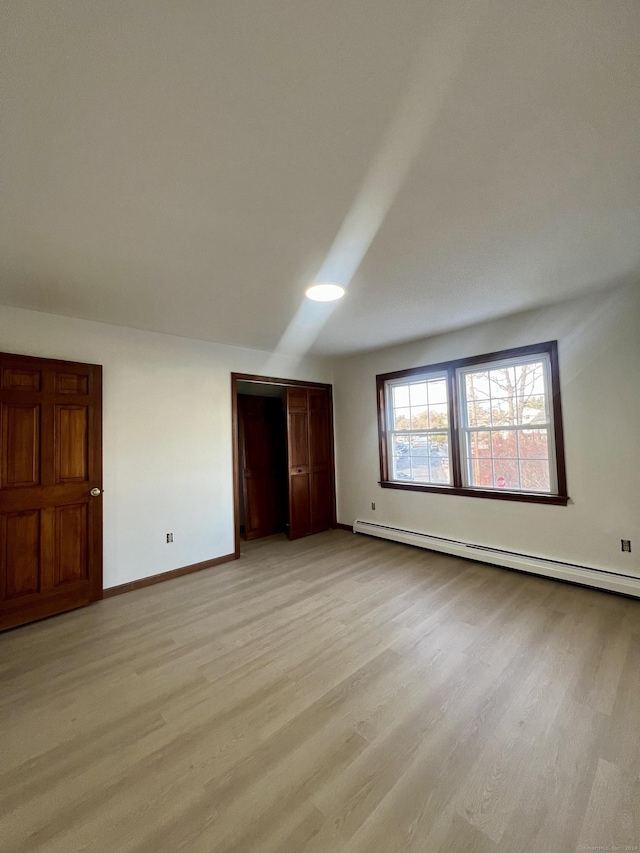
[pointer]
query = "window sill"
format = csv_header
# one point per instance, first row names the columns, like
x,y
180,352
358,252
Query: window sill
x,y
523,497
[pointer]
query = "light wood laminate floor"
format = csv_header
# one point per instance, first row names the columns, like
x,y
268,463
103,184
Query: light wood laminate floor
x,y
338,694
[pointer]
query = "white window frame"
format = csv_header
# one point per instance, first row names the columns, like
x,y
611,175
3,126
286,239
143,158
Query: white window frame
x,y
392,432
465,430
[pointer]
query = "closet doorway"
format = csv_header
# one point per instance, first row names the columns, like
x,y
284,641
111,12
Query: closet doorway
x,y
284,478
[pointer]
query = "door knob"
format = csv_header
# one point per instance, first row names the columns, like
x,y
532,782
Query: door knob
x,y
95,492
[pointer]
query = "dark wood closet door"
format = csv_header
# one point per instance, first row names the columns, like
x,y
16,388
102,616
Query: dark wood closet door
x,y
310,461
299,469
263,461
50,462
321,460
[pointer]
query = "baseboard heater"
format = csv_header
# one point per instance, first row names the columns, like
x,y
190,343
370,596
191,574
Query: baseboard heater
x,y
585,575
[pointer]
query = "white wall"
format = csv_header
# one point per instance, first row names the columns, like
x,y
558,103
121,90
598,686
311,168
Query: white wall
x,y
599,354
167,434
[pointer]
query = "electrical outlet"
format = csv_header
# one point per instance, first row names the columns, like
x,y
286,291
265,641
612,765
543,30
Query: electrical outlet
x,y
169,537
626,545
373,506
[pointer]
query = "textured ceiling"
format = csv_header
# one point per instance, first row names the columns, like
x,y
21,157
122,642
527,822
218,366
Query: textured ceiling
x,y
189,167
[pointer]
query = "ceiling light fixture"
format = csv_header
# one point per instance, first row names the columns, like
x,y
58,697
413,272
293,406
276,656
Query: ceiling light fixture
x,y
325,292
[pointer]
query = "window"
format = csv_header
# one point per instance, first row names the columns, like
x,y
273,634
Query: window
x,y
487,426
419,429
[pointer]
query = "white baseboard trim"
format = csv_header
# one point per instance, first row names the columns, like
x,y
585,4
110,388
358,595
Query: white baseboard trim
x,y
584,575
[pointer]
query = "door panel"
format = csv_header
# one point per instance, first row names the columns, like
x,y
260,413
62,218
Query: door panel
x,y
51,458
297,400
71,441
256,516
21,553
17,379
72,383
20,445
321,503
70,559
319,429
299,505
298,439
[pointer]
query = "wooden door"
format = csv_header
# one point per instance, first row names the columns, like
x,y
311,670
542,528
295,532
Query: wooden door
x,y
263,461
50,460
320,460
298,461
310,461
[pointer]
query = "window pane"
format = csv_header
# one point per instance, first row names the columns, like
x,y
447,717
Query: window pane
x,y
532,410
535,475
438,417
437,391
481,473
419,445
420,468
418,394
419,417
439,444
439,467
400,396
530,379
479,445
401,459
530,382
477,386
509,459
505,474
430,458
504,444
479,413
421,458
502,382
503,413
402,418
534,444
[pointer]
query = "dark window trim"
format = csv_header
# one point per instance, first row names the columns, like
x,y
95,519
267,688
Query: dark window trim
x,y
549,348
